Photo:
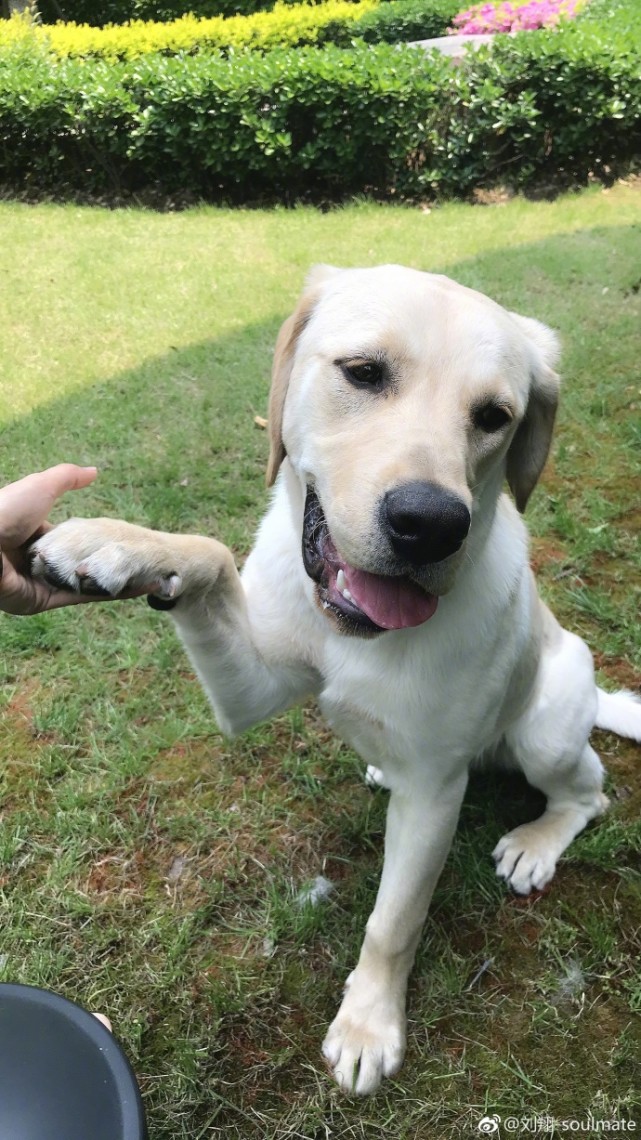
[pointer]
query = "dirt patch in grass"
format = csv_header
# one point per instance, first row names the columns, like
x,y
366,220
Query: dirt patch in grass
x,y
547,554
19,716
619,670
188,761
22,749
119,875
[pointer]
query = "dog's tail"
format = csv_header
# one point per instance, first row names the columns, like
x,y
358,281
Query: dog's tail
x,y
620,713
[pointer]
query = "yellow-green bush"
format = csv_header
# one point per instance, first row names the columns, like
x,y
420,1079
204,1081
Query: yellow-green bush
x,y
20,30
285,26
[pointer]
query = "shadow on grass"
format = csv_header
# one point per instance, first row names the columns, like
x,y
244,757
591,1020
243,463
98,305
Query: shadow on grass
x,y
178,449
176,440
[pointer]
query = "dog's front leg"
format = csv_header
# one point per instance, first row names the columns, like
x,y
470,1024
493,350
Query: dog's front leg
x,y
246,678
248,672
366,1040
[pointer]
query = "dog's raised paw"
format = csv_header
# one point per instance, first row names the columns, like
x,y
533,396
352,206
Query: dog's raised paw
x,y
86,556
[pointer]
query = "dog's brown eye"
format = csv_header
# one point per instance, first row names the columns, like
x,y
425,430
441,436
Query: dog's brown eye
x,y
491,417
364,374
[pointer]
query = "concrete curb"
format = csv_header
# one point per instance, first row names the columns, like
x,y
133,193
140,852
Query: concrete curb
x,y
454,46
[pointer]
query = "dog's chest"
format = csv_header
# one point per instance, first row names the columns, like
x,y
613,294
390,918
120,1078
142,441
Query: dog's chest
x,y
398,702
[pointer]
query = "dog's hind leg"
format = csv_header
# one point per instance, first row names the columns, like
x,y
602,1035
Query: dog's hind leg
x,y
550,744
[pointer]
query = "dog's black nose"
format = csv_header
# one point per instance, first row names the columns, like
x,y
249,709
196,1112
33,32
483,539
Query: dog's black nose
x,y
424,522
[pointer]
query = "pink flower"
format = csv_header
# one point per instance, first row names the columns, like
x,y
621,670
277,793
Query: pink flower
x,y
512,17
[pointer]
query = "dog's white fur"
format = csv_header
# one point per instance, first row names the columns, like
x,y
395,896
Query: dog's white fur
x,y
491,670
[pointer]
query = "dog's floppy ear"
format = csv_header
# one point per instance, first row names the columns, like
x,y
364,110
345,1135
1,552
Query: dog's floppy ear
x,y
531,444
283,361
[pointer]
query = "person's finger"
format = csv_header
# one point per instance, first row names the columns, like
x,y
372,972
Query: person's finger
x,y
56,481
59,598
52,482
26,503
105,1021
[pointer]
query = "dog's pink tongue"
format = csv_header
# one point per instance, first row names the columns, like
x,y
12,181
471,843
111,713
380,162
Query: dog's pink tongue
x,y
392,603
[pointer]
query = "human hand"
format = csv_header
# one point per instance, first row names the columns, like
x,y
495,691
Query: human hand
x,y
24,507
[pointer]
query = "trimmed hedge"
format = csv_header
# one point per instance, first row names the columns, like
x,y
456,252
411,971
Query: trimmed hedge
x,y
332,21
395,21
316,123
285,26
618,18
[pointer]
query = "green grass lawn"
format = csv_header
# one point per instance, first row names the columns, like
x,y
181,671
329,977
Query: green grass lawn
x,y
148,867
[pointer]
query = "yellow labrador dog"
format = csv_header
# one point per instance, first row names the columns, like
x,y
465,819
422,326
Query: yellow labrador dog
x,y
390,578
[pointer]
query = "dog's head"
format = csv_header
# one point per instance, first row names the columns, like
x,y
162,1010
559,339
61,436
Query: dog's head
x,y
402,401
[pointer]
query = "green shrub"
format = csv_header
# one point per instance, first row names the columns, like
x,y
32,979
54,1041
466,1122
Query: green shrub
x,y
380,120
397,20
558,105
97,13
278,125
618,18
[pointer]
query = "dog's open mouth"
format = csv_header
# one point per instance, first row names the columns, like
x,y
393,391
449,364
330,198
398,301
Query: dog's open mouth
x,y
363,602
